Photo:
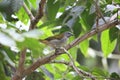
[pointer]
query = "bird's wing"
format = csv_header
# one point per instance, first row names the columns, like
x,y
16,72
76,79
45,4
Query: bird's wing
x,y
58,37
44,41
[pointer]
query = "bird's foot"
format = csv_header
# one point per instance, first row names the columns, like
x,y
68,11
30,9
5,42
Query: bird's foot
x,y
61,49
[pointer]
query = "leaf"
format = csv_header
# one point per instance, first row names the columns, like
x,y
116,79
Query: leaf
x,y
69,2
6,40
52,8
51,23
117,1
23,16
113,33
84,47
73,51
35,76
106,44
100,72
84,68
32,44
71,18
1,55
13,34
36,33
114,76
2,72
9,53
87,20
77,26
9,7
16,4
77,78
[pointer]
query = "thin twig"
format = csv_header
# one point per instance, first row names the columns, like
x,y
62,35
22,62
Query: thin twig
x,y
38,16
61,62
28,12
79,71
68,64
99,13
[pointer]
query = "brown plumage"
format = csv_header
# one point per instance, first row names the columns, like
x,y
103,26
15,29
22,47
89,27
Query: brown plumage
x,y
57,40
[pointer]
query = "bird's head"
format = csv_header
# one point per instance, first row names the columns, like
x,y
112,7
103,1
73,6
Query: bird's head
x,y
68,34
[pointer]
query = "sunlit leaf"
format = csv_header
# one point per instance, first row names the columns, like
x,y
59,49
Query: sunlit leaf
x,y
100,72
33,34
13,34
84,47
32,44
106,44
6,40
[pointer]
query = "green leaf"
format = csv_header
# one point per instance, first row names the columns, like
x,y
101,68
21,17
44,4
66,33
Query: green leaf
x,y
51,23
23,16
10,53
6,40
2,72
113,33
100,73
52,8
114,76
32,44
73,16
9,7
1,55
77,78
84,47
69,2
35,76
87,20
73,51
117,1
106,44
84,68
36,33
77,26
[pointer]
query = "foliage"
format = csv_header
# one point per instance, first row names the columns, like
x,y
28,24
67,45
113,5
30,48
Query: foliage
x,y
76,16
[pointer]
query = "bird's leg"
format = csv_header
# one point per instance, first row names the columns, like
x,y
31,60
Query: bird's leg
x,y
57,50
64,50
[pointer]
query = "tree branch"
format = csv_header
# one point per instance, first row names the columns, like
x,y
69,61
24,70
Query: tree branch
x,y
38,15
39,62
79,71
60,62
47,59
71,64
28,12
98,11
94,31
20,69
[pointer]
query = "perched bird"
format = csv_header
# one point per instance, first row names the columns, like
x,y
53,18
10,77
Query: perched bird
x,y
57,41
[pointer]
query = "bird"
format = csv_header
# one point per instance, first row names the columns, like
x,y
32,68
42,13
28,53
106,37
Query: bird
x,y
57,41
